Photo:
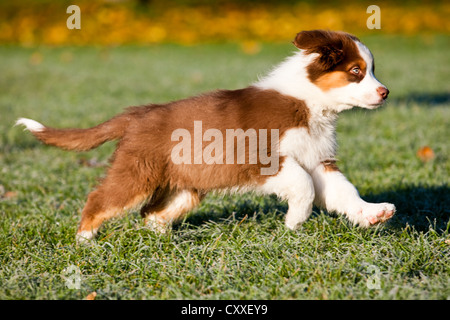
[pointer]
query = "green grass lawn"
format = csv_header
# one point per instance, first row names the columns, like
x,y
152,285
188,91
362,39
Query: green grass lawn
x,y
231,247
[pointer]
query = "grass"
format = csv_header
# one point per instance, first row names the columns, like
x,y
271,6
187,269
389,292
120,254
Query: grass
x,y
232,247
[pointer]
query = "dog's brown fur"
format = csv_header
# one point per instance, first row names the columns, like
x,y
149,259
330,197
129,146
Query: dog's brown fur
x,y
141,168
338,54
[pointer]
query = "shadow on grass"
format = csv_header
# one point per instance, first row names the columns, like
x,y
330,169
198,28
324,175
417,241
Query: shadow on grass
x,y
418,207
236,207
427,98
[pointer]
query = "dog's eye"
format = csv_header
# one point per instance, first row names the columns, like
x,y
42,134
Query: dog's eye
x,y
355,70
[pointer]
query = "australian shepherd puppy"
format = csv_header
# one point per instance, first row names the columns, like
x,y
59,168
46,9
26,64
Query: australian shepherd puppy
x,y
275,136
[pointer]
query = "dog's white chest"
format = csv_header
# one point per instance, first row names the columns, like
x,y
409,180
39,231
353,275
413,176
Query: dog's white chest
x,y
310,146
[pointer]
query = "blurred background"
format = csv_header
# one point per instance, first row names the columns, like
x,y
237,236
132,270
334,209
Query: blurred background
x,y
187,22
135,52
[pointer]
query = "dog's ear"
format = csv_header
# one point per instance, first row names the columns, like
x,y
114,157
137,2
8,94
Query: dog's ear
x,y
329,45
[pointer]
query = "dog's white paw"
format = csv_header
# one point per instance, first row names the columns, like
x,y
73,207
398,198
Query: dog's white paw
x,y
156,224
84,237
374,213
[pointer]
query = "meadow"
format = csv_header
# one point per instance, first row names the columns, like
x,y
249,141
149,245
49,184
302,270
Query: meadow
x,y
234,246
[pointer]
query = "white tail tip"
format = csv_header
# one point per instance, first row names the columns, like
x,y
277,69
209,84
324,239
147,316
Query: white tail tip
x,y
30,125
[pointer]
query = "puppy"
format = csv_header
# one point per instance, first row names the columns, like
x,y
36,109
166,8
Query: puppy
x,y
275,136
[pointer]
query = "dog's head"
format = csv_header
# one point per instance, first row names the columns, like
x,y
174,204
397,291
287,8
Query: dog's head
x,y
342,67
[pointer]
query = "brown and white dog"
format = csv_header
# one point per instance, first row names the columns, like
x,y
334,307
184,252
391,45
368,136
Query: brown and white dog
x,y
292,112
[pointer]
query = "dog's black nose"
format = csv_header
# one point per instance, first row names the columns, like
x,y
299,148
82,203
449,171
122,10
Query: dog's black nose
x,y
383,92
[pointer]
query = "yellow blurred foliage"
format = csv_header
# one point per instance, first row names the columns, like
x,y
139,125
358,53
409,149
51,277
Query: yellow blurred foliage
x,y
120,22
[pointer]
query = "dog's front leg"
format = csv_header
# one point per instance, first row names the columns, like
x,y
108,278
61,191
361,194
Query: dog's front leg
x,y
335,193
294,184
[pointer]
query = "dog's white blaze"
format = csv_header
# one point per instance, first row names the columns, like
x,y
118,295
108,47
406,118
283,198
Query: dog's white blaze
x,y
30,125
370,83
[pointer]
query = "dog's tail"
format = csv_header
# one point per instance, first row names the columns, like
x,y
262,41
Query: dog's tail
x,y
78,139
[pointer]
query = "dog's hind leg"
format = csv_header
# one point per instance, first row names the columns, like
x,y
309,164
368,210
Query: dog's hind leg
x,y
169,207
124,188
